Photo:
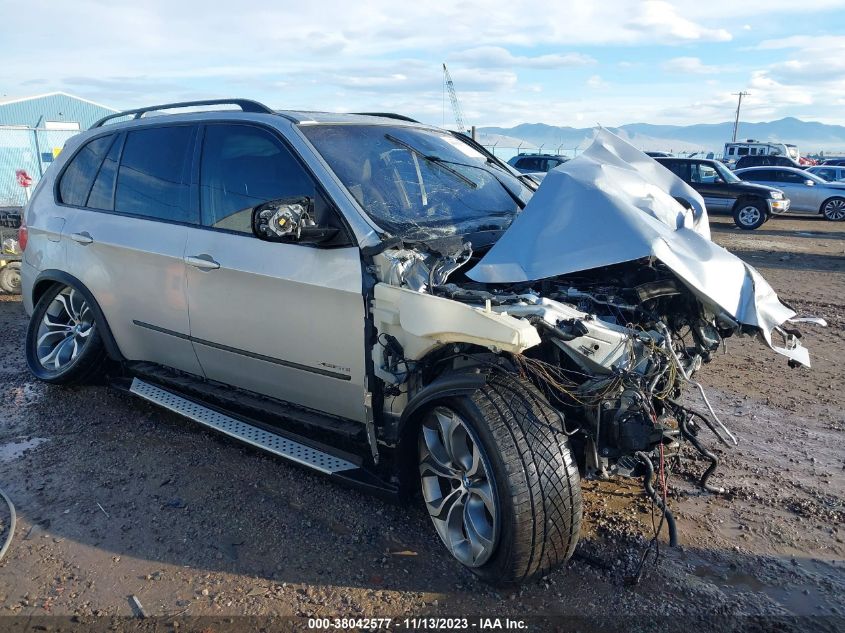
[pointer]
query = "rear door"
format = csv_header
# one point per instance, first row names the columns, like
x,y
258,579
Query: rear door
x,y
280,319
126,242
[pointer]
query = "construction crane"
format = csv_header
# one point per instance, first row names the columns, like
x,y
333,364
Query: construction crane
x,y
456,107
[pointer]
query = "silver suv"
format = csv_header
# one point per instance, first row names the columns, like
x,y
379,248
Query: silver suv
x,y
387,303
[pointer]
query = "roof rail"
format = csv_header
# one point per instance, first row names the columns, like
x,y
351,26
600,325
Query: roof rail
x,y
246,105
388,115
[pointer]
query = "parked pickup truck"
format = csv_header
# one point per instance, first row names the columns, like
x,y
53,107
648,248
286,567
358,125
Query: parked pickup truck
x,y
750,204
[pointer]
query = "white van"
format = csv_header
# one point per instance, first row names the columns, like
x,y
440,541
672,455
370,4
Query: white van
x,y
750,147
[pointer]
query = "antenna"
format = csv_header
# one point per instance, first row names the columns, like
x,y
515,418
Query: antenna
x,y
740,94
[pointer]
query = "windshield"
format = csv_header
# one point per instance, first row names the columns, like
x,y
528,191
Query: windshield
x,y
724,173
793,151
419,183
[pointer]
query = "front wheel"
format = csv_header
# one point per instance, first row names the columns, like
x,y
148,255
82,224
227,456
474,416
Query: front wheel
x,y
63,343
834,209
499,481
750,214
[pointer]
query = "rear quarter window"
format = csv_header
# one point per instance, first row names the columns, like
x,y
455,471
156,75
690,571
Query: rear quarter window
x,y
78,177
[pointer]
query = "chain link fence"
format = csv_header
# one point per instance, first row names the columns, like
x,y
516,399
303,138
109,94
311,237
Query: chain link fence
x,y
29,149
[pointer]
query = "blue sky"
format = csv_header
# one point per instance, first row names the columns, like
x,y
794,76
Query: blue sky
x,y
561,63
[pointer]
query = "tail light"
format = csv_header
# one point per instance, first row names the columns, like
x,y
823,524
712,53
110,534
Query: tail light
x,y
23,234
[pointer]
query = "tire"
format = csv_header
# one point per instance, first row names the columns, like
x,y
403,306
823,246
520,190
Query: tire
x,y
833,209
10,278
750,214
508,434
63,318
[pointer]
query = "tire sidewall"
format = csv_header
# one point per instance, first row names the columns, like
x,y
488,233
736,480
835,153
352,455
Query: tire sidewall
x,y
750,203
90,357
824,209
482,435
6,274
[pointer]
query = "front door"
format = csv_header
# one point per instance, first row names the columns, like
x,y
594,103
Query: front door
x,y
716,193
281,319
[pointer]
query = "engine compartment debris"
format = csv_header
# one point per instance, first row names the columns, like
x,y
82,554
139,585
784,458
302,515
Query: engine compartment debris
x,y
606,293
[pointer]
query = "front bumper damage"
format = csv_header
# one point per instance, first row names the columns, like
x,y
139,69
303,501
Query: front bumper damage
x,y
606,292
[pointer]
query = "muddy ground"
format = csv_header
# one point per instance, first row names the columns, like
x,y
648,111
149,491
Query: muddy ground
x,y
116,498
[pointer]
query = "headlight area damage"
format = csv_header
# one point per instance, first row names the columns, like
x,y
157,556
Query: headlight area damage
x,y
606,292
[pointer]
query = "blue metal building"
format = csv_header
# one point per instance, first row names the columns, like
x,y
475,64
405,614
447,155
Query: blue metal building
x,y
33,131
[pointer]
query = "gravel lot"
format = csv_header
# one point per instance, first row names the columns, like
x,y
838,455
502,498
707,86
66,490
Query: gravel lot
x,y
116,498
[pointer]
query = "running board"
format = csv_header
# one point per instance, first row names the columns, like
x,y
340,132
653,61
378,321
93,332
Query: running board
x,y
271,442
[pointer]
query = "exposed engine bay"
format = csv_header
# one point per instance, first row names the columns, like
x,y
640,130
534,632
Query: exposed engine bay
x,y
613,346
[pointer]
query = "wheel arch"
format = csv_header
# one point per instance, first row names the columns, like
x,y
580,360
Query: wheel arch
x,y
828,199
746,198
49,278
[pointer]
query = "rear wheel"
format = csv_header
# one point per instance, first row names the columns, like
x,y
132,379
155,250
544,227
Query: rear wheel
x,y
63,343
750,214
834,209
10,278
499,481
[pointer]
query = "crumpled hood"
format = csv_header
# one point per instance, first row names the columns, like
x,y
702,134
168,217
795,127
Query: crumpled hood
x,y
614,204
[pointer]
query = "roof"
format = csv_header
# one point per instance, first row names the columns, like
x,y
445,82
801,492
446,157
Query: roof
x,y
299,117
771,167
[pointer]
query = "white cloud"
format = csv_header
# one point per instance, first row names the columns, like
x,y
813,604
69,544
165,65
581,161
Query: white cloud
x,y
595,81
335,54
498,57
688,65
661,19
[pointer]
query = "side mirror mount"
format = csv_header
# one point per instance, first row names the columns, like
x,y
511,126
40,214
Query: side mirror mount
x,y
289,220
809,183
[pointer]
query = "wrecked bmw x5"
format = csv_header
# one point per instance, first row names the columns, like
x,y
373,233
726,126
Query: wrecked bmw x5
x,y
387,303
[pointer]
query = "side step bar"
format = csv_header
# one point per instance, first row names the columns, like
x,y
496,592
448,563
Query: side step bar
x,y
271,442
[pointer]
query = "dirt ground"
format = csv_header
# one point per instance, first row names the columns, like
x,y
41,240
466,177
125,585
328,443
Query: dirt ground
x,y
116,498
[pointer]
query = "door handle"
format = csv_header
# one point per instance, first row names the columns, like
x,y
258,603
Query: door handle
x,y
203,262
82,238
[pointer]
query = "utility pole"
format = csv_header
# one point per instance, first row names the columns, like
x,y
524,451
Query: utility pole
x,y
740,94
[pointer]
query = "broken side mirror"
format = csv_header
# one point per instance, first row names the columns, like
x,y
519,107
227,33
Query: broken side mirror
x,y
290,220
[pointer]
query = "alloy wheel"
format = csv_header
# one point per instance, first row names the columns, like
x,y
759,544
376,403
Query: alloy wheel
x,y
749,215
457,486
64,330
835,209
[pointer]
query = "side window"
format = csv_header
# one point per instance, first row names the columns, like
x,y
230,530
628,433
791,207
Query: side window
x,y
788,176
731,151
762,175
153,177
80,173
528,163
244,166
742,151
702,173
680,169
102,192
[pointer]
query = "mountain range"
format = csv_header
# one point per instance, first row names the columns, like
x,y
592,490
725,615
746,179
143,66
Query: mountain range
x,y
810,136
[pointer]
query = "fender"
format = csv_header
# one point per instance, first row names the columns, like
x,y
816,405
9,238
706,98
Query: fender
x,y
449,385
46,277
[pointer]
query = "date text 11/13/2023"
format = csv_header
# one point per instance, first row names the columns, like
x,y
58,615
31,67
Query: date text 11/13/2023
x,y
418,623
